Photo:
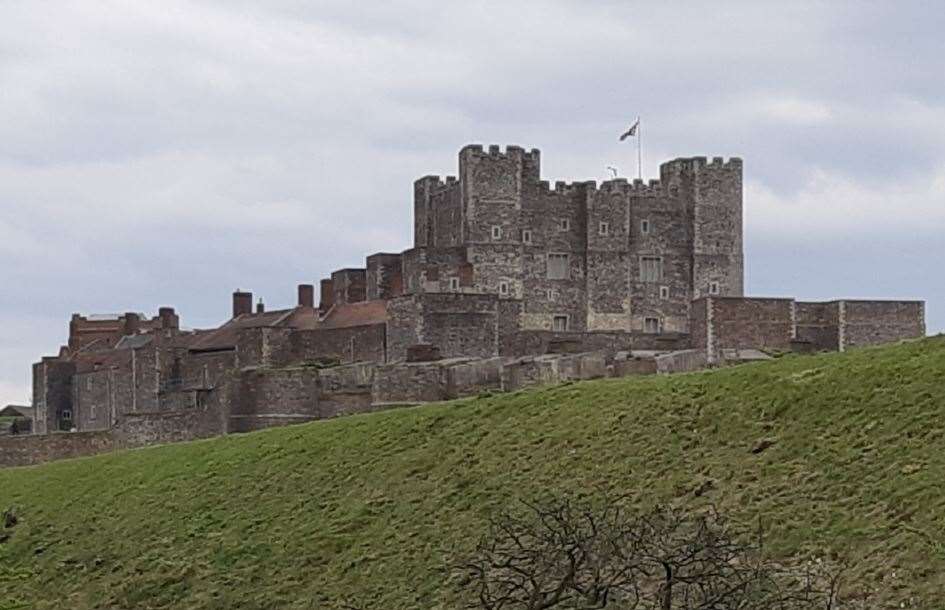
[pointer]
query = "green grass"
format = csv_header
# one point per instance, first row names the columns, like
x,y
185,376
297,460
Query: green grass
x,y
372,506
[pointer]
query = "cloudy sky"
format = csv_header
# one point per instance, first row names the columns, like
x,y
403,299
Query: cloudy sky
x,y
166,153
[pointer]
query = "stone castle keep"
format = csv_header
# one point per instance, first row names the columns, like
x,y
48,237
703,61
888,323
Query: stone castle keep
x,y
511,281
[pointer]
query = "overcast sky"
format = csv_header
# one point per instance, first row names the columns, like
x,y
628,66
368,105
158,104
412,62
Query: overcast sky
x,y
167,153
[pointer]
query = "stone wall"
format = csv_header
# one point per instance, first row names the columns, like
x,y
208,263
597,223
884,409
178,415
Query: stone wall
x,y
742,323
876,322
682,361
537,342
345,345
138,430
349,286
459,324
384,276
817,326
27,450
142,429
272,397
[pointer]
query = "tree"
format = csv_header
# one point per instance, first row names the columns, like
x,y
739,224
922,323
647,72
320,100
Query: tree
x,y
557,554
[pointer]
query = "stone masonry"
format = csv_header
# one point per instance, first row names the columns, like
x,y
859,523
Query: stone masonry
x,y
511,281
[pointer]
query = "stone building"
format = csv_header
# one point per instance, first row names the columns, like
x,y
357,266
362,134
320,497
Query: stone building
x,y
509,281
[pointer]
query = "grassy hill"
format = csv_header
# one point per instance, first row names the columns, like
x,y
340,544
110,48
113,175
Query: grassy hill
x,y
372,506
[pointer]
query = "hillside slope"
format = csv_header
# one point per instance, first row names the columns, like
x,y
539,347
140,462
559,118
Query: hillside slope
x,y
372,506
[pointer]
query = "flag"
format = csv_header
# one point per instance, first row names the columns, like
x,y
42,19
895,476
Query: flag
x,y
630,132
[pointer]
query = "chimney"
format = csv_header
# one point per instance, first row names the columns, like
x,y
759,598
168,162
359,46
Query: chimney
x,y
327,293
306,295
169,319
242,303
260,308
132,323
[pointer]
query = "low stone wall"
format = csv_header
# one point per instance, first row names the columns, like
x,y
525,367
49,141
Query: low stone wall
x,y
682,361
142,429
634,366
472,378
40,448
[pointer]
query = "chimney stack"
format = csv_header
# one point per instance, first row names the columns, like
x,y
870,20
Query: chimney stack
x,y
260,308
169,318
242,303
306,295
132,323
327,289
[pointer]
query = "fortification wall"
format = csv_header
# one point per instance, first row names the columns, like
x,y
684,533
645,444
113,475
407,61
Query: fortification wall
x,y
344,345
273,397
743,323
142,429
27,450
344,390
865,323
538,342
459,324
137,430
818,325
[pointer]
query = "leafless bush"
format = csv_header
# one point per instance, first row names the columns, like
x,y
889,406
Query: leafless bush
x,y
557,554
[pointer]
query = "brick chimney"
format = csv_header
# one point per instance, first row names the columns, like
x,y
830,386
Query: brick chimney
x,y
242,303
327,291
306,295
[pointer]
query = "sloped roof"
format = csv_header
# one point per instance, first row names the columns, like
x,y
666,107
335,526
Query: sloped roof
x,y
225,337
347,315
16,411
86,362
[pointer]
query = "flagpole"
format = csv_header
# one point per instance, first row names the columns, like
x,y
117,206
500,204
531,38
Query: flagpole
x,y
639,149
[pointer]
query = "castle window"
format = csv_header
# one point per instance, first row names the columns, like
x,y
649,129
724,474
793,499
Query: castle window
x,y
604,228
645,227
92,411
503,288
564,224
454,284
496,232
652,326
558,267
651,268
526,236
66,415
550,294
664,292
713,288
88,383
559,324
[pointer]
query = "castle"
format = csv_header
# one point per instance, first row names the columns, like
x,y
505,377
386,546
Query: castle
x,y
510,282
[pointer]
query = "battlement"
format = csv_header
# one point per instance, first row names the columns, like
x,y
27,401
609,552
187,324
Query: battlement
x,y
567,188
637,187
699,163
434,183
495,151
